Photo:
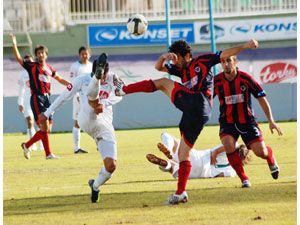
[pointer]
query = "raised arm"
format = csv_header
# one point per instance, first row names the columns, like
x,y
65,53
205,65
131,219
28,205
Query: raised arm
x,y
15,49
159,65
252,44
264,104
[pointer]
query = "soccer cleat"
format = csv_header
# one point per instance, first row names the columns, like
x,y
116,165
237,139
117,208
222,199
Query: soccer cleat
x,y
155,160
246,184
94,194
176,199
80,151
119,87
52,156
274,170
101,65
26,151
164,150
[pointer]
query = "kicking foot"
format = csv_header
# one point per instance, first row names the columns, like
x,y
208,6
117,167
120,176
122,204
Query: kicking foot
x,y
94,194
101,65
80,151
26,151
164,150
176,199
246,184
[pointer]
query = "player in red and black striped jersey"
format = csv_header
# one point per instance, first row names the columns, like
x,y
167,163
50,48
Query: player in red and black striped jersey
x,y
234,89
40,74
192,97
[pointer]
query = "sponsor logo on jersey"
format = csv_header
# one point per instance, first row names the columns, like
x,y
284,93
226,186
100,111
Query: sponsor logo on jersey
x,y
277,72
103,94
191,83
44,78
234,99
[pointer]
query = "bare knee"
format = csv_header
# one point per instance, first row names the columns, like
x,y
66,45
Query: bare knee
x,y
110,165
76,125
29,122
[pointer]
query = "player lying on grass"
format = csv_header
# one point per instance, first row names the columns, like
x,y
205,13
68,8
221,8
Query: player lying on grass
x,y
95,115
208,163
234,89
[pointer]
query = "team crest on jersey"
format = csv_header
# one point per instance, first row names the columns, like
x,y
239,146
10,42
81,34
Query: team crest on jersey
x,y
69,87
197,69
243,88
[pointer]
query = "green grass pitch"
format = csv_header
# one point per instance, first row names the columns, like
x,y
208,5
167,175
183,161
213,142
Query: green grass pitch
x,y
39,191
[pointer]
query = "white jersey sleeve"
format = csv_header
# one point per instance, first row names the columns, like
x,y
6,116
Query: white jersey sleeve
x,y
65,96
73,70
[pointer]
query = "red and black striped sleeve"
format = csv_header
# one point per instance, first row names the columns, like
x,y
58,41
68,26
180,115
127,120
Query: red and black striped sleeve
x,y
254,87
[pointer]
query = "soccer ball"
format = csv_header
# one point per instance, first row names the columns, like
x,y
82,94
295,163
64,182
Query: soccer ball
x,y
137,24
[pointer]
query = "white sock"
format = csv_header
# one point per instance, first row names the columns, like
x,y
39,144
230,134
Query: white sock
x,y
168,141
76,138
31,132
103,176
93,89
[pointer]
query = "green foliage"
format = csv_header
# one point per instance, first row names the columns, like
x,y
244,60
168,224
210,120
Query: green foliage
x,y
39,191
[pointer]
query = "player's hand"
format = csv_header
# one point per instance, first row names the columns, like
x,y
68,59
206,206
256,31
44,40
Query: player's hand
x,y
252,44
98,109
42,118
13,38
21,108
213,157
170,56
272,126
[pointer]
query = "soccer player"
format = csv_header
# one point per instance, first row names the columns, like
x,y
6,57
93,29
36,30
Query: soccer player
x,y
24,100
40,74
193,97
97,95
234,88
208,163
80,67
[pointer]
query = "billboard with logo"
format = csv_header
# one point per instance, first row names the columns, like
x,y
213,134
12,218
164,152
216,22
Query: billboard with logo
x,y
117,35
228,31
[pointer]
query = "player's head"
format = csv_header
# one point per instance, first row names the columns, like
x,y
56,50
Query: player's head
x,y
244,153
183,51
28,58
41,53
101,65
229,64
84,54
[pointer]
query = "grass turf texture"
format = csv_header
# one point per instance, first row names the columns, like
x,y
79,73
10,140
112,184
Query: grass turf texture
x,y
39,191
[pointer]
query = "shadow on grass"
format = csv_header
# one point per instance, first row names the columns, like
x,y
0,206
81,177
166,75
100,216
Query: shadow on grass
x,y
273,193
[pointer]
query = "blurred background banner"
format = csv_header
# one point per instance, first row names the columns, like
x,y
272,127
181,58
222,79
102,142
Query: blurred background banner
x,y
117,35
239,30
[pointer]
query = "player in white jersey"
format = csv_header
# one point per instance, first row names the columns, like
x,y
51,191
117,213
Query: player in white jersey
x,y
208,163
95,115
24,101
81,67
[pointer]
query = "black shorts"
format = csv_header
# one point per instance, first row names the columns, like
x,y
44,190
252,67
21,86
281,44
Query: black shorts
x,y
196,110
249,132
39,104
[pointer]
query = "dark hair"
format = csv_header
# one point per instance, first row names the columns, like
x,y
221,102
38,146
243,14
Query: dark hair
x,y
180,47
84,48
40,47
28,56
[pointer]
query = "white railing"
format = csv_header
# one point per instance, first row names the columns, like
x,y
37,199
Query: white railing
x,y
53,15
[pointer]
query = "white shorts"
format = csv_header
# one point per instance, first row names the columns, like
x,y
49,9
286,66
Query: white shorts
x,y
27,108
102,131
76,107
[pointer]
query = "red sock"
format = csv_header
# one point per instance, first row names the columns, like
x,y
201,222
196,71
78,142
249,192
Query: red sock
x,y
183,175
36,137
236,163
45,140
270,159
142,86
